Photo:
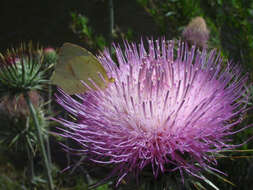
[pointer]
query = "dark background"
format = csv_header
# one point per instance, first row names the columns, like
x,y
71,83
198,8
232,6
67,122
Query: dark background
x,y
47,21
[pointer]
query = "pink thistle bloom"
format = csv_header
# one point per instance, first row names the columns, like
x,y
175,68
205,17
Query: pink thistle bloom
x,y
170,107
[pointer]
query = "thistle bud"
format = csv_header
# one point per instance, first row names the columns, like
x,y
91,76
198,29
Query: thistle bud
x,y
50,55
196,32
22,70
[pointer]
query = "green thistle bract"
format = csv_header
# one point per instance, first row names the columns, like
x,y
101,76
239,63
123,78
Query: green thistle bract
x,y
22,70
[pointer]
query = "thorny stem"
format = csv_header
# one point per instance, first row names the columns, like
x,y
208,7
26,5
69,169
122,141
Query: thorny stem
x,y
49,111
49,98
41,143
48,151
67,143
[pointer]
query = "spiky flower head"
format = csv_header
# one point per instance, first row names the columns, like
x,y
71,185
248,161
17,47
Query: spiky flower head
x,y
196,32
21,70
170,107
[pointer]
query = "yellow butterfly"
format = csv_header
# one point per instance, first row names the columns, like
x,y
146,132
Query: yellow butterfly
x,y
77,64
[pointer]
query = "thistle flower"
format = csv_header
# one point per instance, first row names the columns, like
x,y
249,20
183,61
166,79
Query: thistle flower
x,y
196,32
20,70
50,55
171,110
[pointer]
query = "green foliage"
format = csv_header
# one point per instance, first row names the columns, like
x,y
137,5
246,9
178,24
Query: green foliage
x,y
80,26
230,23
129,34
172,15
7,184
100,42
233,20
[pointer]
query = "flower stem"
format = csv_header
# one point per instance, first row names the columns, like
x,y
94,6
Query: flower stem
x,y
49,112
67,143
111,24
41,143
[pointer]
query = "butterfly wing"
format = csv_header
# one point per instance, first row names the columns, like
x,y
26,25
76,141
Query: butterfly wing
x,y
76,64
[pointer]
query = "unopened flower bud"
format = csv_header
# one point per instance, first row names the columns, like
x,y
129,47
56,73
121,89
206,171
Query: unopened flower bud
x,y
196,32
